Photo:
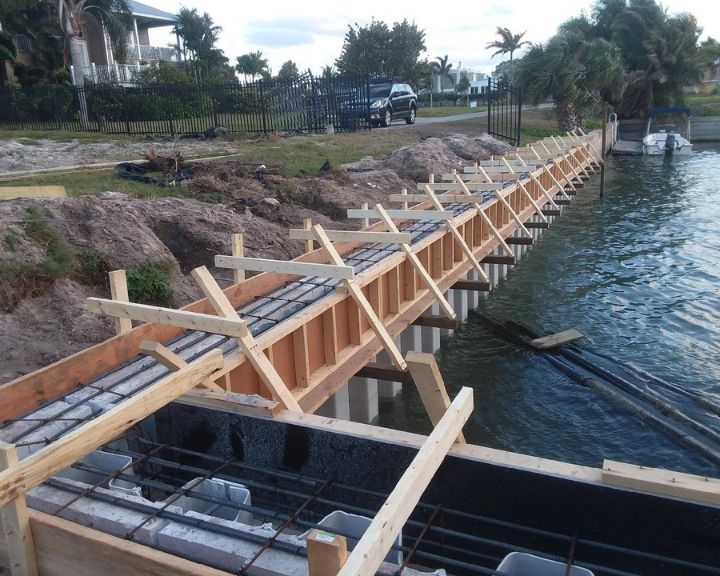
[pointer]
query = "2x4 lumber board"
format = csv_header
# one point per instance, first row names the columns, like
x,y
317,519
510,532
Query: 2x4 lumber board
x,y
238,251
442,198
119,292
326,553
658,481
285,267
168,316
493,259
474,186
16,530
474,178
170,360
38,467
394,290
555,340
384,372
402,214
66,548
437,321
357,295
330,341
309,243
421,271
522,241
302,356
472,286
356,236
244,404
13,192
377,540
250,347
431,387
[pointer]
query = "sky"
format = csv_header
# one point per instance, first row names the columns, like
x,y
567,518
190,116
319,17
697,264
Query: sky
x,y
311,33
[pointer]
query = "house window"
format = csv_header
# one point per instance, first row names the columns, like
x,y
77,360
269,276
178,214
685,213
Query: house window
x,y
473,90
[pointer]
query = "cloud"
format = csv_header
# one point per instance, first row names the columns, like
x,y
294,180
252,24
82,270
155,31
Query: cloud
x,y
285,32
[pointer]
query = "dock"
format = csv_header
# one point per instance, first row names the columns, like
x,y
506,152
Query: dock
x,y
628,148
234,436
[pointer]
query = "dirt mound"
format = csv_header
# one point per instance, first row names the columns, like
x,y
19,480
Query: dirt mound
x,y
55,253
433,156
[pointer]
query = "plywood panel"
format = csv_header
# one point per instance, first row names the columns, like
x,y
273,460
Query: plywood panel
x,y
316,344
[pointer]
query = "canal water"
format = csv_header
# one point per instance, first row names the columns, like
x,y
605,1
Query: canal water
x,y
638,273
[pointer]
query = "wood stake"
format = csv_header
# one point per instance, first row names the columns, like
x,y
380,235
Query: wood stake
x,y
16,524
119,292
430,385
326,553
366,221
238,250
369,552
309,244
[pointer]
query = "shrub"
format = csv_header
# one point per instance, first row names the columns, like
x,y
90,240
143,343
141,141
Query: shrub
x,y
11,241
149,283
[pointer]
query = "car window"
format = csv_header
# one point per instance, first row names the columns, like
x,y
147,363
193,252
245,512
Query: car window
x,y
379,91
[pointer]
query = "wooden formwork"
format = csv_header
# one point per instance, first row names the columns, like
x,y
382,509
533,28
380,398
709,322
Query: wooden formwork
x,y
318,350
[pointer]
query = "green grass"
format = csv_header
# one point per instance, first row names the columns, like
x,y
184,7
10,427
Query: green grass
x,y
704,105
439,111
149,283
11,241
28,141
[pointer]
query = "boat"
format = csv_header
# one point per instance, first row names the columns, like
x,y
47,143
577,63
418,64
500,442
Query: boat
x,y
666,141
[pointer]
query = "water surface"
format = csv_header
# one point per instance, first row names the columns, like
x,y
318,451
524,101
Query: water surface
x,y
637,272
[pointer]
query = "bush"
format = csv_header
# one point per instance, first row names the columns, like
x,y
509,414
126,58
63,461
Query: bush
x,y
149,283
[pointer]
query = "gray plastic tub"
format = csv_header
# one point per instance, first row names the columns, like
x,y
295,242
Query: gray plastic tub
x,y
103,464
521,564
221,490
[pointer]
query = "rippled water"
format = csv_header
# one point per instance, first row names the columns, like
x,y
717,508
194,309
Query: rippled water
x,y
637,272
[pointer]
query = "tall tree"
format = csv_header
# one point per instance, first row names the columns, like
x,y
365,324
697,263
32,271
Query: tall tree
x,y
198,36
114,15
288,71
442,68
251,65
508,43
381,51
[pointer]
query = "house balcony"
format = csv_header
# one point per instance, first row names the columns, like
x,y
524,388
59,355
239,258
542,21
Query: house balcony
x,y
145,53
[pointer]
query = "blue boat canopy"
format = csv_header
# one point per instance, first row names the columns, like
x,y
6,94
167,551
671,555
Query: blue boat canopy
x,y
672,110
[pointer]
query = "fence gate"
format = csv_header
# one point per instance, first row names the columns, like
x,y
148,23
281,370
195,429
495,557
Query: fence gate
x,y
504,111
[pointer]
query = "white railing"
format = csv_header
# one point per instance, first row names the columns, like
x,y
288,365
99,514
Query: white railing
x,y
154,53
108,74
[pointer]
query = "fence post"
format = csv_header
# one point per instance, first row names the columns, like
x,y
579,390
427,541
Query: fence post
x,y
489,105
519,114
263,105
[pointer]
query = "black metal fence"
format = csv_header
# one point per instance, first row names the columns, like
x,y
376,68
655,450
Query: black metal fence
x,y
305,104
504,111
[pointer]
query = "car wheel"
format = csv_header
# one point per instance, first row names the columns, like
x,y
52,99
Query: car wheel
x,y
411,119
387,118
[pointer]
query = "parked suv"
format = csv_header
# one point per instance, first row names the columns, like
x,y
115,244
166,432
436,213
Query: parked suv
x,y
389,101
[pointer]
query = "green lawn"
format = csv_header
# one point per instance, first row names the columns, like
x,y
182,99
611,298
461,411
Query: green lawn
x,y
437,111
704,105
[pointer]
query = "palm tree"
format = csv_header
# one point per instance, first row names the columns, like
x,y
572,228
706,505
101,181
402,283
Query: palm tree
x,y
198,35
442,68
251,64
115,16
576,72
507,44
